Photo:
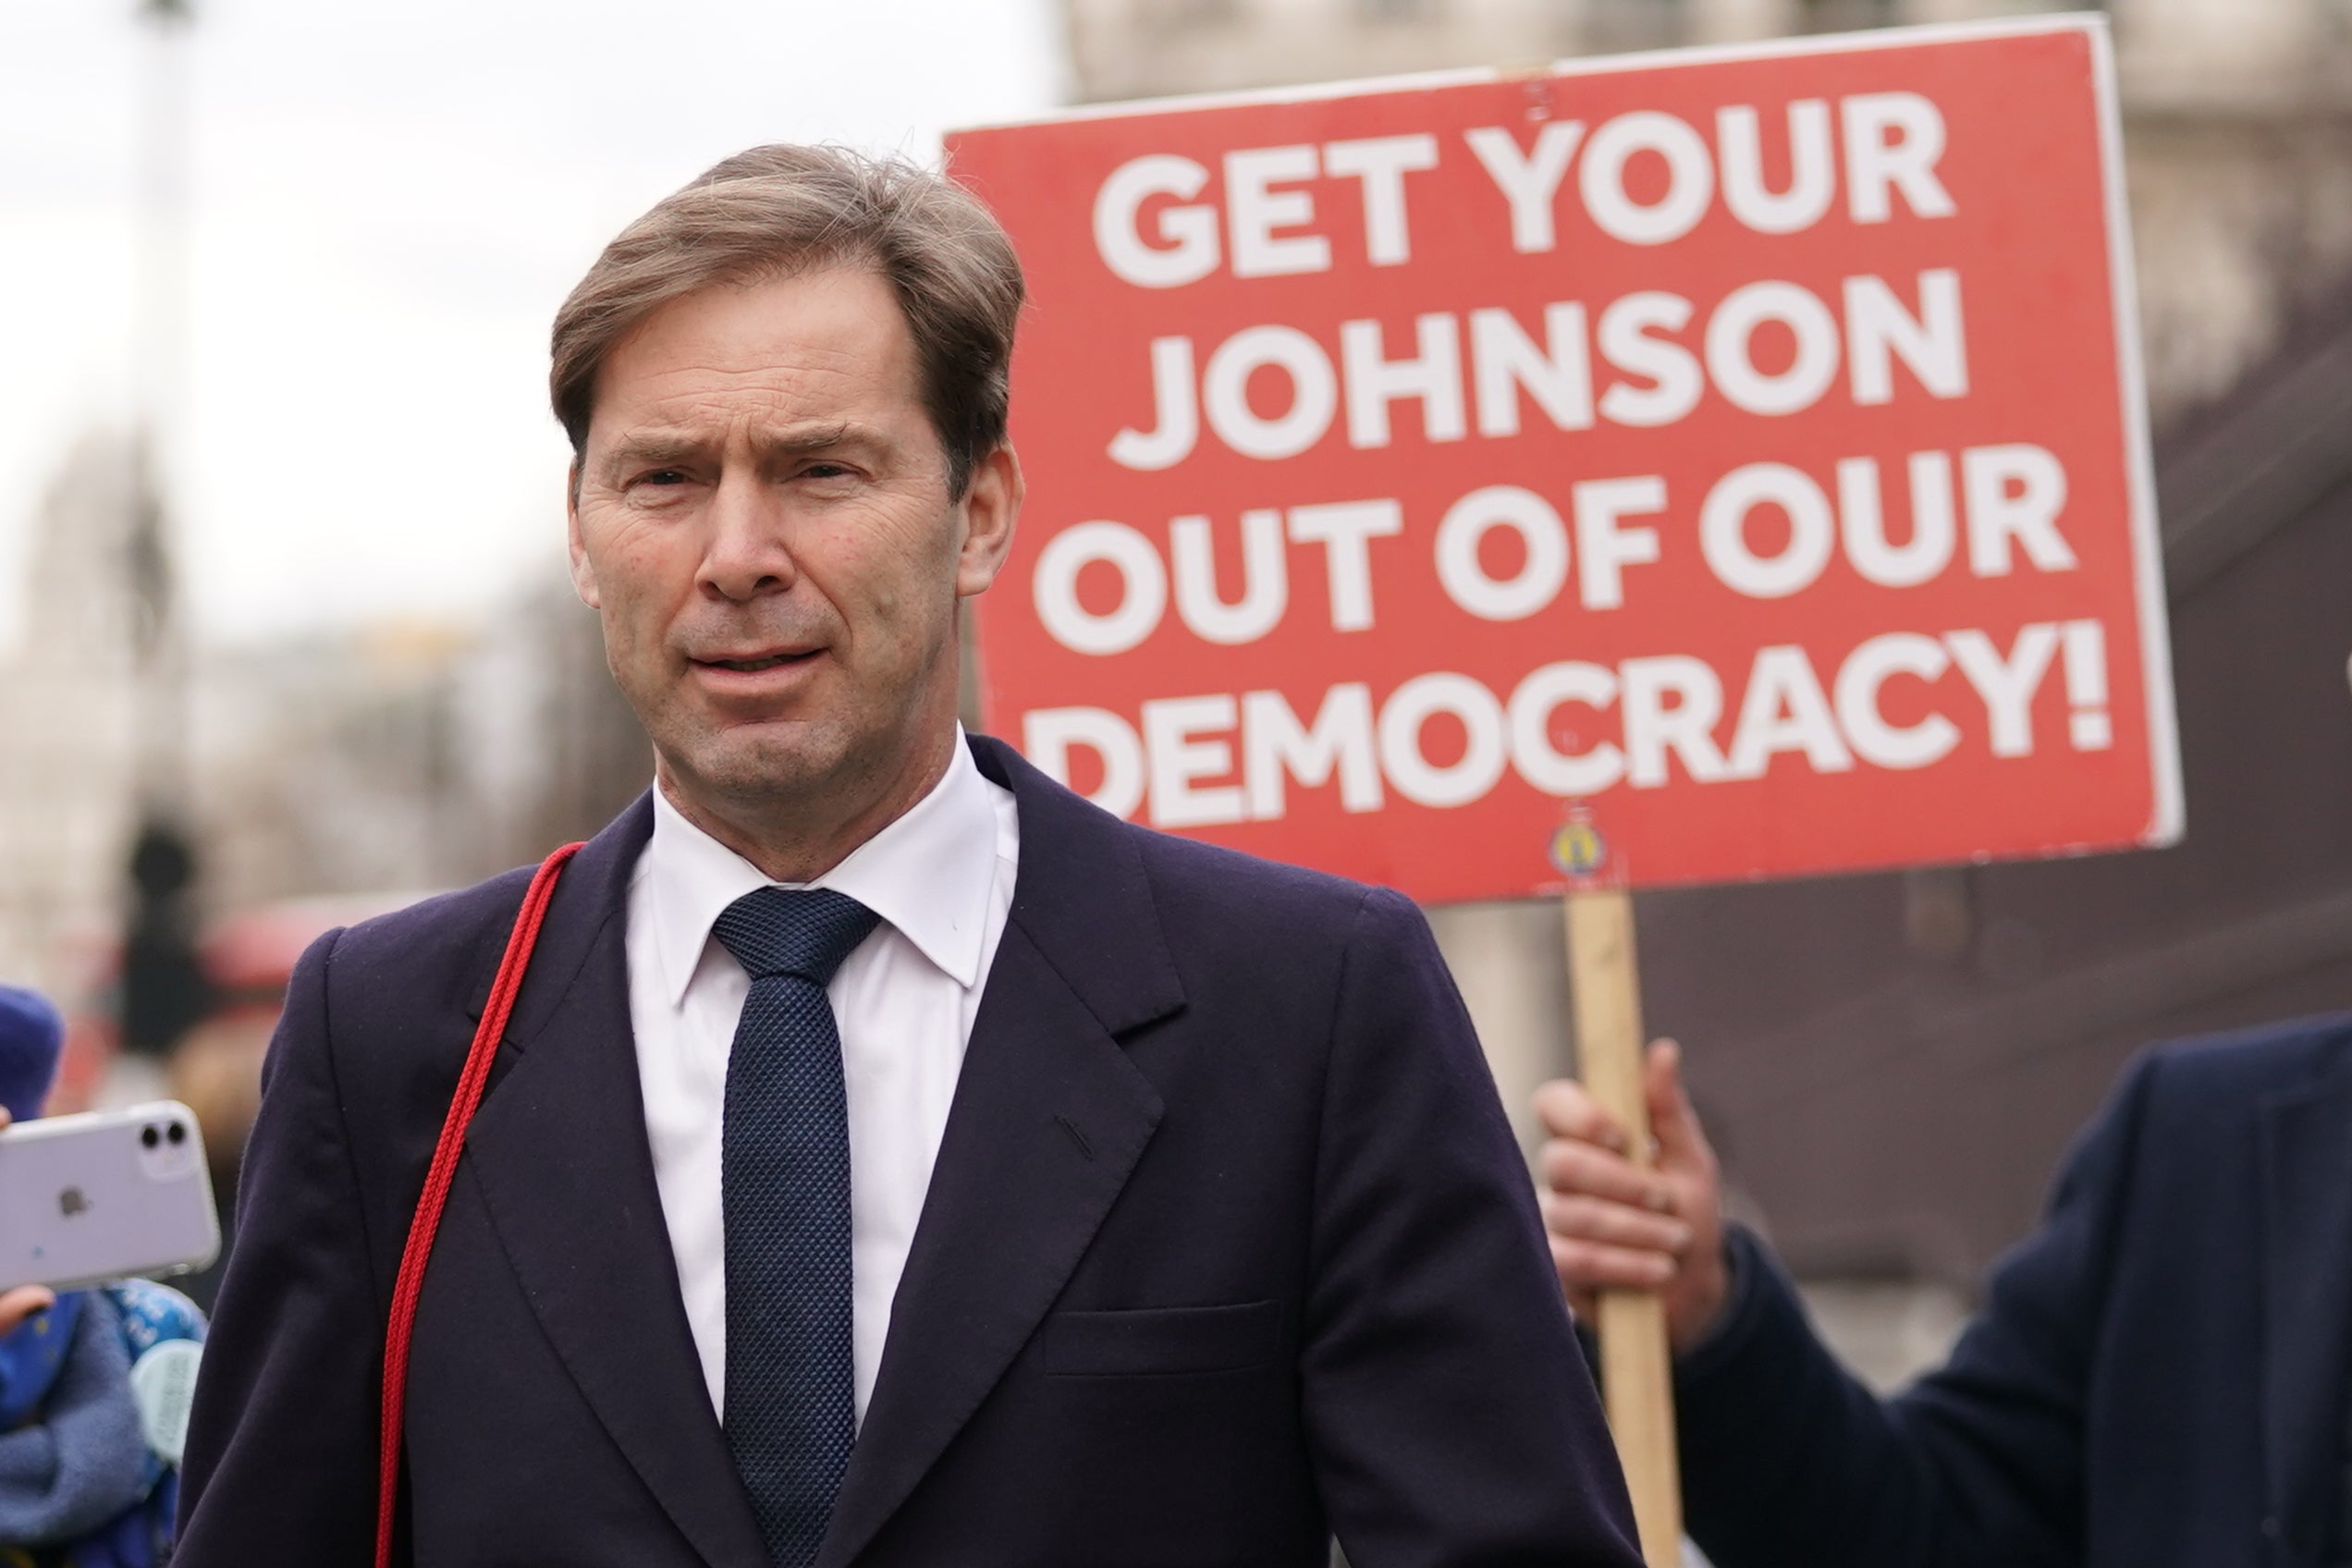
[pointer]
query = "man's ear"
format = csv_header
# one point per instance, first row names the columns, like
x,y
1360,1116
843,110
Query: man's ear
x,y
991,507
583,574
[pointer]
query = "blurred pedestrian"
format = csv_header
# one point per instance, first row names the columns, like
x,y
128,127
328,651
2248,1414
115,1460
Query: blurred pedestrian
x,y
2160,1376
87,1464
890,1155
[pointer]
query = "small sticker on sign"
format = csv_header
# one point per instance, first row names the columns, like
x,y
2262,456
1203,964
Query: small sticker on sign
x,y
1577,848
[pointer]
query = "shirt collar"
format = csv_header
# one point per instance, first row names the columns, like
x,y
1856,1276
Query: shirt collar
x,y
928,873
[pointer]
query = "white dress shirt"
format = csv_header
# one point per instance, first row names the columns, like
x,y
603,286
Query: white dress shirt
x,y
940,878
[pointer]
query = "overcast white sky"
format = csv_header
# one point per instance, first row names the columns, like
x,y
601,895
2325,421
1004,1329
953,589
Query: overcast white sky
x,y
389,201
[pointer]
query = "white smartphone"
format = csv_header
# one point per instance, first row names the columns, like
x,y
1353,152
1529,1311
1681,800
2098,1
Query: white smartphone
x,y
105,1195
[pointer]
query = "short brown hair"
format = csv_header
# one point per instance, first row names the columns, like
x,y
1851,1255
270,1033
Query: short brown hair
x,y
779,210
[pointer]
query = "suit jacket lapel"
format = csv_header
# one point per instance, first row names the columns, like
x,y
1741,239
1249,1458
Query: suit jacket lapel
x,y
560,1156
2306,1249
1048,1120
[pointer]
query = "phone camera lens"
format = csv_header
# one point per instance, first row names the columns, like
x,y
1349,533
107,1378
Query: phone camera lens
x,y
149,1137
176,1134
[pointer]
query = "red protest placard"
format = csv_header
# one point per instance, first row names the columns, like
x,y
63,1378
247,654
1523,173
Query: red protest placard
x,y
1680,468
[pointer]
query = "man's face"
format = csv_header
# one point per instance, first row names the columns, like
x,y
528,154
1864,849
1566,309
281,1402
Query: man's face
x,y
762,519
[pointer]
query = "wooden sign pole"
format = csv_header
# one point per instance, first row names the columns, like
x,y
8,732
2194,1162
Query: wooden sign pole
x,y
1635,1378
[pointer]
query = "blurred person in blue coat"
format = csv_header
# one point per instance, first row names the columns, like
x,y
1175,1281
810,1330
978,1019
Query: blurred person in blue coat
x,y
87,1470
2158,1377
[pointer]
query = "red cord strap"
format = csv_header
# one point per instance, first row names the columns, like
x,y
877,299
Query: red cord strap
x,y
444,1170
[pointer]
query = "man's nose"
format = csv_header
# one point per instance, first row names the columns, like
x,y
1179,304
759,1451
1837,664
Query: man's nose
x,y
748,551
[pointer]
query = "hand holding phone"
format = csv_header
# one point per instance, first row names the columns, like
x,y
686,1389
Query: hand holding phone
x,y
25,1300
101,1196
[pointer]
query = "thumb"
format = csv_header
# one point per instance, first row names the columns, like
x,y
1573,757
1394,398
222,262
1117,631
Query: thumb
x,y
22,1303
1680,1141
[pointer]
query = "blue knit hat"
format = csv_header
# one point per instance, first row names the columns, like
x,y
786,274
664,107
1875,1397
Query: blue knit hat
x,y
31,1035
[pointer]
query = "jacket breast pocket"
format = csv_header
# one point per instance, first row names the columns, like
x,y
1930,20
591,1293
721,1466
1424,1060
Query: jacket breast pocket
x,y
1162,1341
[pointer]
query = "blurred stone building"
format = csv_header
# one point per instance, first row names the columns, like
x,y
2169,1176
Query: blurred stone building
x,y
69,751
1893,1062
379,760
410,755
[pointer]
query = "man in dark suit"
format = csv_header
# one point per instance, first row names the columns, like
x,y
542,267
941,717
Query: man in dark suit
x,y
2158,1377
891,1158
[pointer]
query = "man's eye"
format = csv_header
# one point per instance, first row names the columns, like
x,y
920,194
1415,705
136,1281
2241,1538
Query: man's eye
x,y
827,470
663,476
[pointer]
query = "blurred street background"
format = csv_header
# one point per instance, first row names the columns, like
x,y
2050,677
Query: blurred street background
x,y
286,639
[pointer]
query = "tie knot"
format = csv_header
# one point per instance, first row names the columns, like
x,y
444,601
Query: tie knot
x,y
805,931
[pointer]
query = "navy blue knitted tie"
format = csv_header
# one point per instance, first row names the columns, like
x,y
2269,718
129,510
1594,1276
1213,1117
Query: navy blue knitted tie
x,y
784,1173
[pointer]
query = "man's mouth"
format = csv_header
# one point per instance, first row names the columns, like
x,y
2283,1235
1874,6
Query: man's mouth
x,y
765,661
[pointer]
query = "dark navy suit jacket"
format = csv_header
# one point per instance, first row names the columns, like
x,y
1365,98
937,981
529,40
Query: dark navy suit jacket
x,y
2156,1379
1228,1246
